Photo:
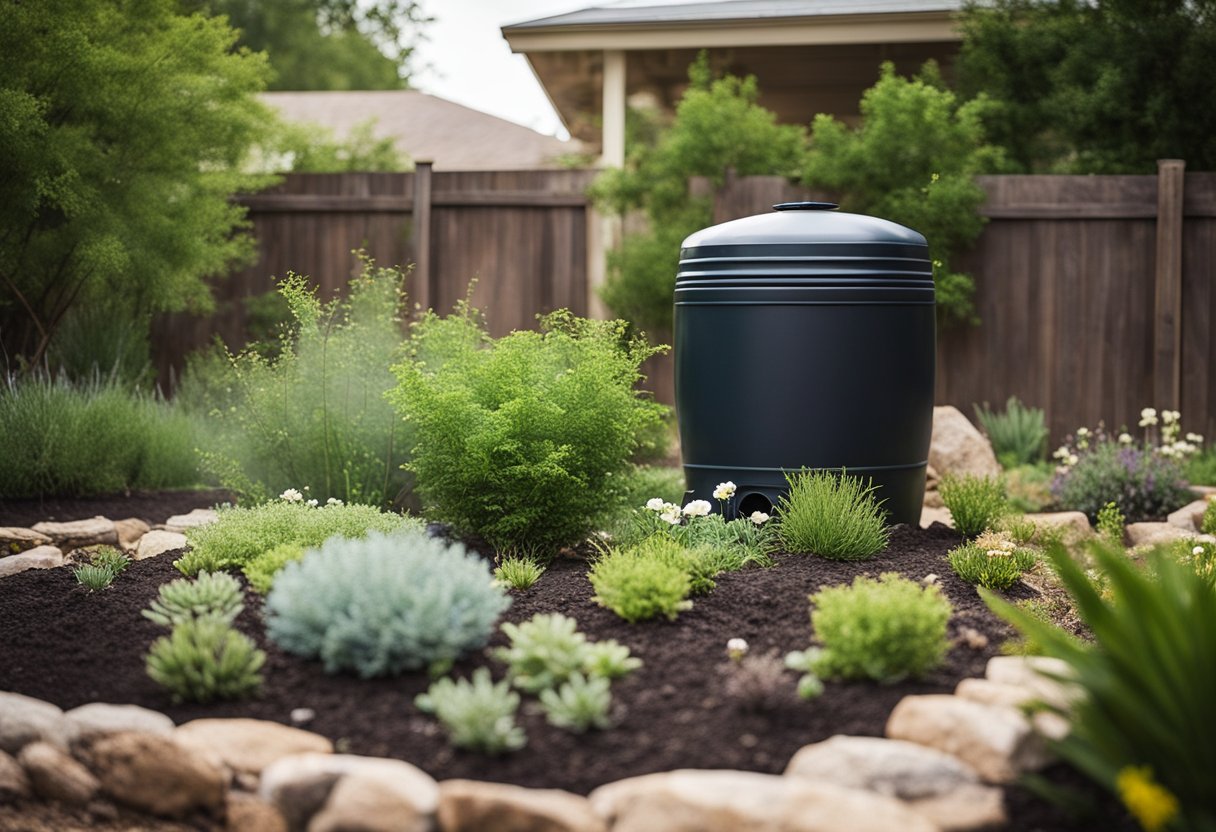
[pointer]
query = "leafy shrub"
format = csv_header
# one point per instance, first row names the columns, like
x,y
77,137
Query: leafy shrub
x,y
262,570
1110,524
1147,676
975,503
518,439
547,650
636,586
990,568
580,703
1018,436
314,414
242,534
1021,529
203,659
217,595
887,629
478,715
385,604
835,517
94,576
518,572
1144,485
94,437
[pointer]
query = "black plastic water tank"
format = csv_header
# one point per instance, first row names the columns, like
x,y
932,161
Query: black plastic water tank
x,y
805,338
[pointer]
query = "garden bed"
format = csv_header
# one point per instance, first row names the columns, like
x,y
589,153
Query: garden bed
x,y
153,507
70,647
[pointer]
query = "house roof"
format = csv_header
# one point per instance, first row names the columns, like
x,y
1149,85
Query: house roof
x,y
427,128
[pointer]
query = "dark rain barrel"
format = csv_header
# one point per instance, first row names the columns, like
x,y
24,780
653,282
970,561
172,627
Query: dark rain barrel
x,y
805,338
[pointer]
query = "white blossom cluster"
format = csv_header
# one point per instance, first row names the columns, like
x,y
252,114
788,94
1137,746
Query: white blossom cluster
x,y
294,495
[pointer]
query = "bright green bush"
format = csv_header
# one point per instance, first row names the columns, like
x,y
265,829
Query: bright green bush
x,y
262,570
547,650
887,629
1018,436
385,604
518,439
477,715
1147,676
242,534
311,412
94,437
215,595
204,659
580,703
637,586
975,503
518,572
837,517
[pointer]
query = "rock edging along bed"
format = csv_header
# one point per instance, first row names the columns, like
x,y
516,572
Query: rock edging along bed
x,y
941,767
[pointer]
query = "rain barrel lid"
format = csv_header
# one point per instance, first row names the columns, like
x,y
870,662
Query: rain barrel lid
x,y
807,223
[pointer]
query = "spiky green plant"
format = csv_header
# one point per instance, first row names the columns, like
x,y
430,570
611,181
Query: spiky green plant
x,y
1018,436
204,659
975,503
609,660
518,572
94,577
543,653
836,517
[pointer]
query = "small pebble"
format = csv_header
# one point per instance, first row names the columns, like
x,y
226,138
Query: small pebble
x,y
749,741
303,716
973,638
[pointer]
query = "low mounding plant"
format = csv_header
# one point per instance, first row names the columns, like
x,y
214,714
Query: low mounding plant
x,y
548,649
580,703
242,534
205,659
385,604
975,503
837,517
640,582
1018,436
262,570
519,439
992,560
887,629
93,576
1148,680
1142,482
478,715
216,595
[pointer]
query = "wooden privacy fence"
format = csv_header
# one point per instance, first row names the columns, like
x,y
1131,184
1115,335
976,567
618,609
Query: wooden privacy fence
x,y
526,237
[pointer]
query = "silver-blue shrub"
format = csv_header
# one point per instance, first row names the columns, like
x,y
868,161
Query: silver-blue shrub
x,y
384,604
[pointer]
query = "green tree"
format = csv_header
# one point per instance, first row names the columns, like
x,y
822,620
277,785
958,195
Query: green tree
x,y
1094,86
326,44
123,125
718,125
912,160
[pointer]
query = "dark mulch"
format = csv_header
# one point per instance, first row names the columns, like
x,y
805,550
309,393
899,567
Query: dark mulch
x,y
150,506
66,646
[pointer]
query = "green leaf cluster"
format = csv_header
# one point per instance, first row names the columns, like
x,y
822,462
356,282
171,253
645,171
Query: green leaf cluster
x,y
975,503
886,630
1149,676
214,594
1111,524
579,704
833,516
94,576
547,650
204,659
519,439
262,570
478,715
1018,436
384,604
313,148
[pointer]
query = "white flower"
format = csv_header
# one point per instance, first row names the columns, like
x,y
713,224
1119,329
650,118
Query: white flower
x,y
671,514
724,491
1125,439
333,501
1198,550
1170,416
1194,437
1082,431
1072,460
291,495
655,504
1148,417
1061,452
312,503
998,553
737,648
759,518
698,508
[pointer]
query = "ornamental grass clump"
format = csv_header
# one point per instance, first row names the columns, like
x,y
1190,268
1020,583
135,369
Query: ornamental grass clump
x,y
385,604
1018,436
518,572
478,715
836,517
645,581
975,503
993,560
520,440
887,629
204,659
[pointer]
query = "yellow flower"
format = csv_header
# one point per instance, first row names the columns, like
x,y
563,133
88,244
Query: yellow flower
x,y
1151,803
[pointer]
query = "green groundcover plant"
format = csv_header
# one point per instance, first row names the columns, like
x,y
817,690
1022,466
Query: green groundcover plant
x,y
645,581
204,659
518,439
478,715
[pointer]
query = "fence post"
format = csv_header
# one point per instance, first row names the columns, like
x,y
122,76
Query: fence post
x,y
420,237
1167,318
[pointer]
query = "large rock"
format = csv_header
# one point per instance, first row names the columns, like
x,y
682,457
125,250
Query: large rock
x,y
40,557
24,719
78,533
197,517
1141,534
1041,676
14,540
930,782
14,784
370,804
1073,525
1189,517
158,542
249,745
130,531
929,516
958,448
248,813
997,741
156,774
98,718
472,806
726,801
54,775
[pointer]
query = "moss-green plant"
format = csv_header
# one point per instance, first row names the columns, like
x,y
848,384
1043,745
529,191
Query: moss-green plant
x,y
578,704
478,715
204,659
544,651
1110,524
1018,436
989,568
637,587
242,534
385,604
1147,675
836,517
110,558
262,570
887,629
518,572
93,576
216,595
975,503
631,490
609,659
519,438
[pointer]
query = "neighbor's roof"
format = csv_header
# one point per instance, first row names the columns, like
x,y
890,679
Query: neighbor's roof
x,y
732,10
427,128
